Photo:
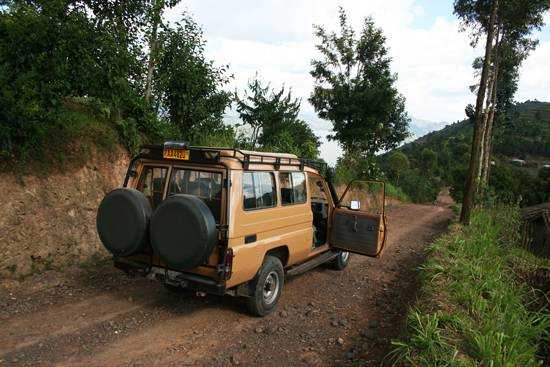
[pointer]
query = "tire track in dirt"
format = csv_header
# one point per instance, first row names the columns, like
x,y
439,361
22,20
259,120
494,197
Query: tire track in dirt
x,y
98,317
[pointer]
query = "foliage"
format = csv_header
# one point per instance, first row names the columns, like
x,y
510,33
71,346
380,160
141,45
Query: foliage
x,y
84,52
353,166
474,309
396,193
69,53
188,86
398,162
429,159
273,118
525,134
354,89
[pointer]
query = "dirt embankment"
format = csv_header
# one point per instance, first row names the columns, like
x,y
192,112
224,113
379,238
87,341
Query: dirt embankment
x,y
49,222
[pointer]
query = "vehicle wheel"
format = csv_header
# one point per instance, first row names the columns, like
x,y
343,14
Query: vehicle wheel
x,y
266,287
341,261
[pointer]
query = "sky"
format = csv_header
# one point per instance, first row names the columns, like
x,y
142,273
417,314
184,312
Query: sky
x,y
432,58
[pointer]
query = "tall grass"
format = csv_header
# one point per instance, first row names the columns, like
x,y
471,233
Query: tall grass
x,y
474,309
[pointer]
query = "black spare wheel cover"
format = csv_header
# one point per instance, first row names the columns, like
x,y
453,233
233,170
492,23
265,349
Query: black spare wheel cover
x,y
183,231
122,221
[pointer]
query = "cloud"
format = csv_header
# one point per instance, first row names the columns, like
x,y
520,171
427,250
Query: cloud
x,y
275,39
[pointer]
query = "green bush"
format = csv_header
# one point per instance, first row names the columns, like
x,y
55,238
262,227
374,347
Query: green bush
x,y
396,193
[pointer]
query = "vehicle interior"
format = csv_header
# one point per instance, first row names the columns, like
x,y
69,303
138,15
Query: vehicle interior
x,y
320,209
207,186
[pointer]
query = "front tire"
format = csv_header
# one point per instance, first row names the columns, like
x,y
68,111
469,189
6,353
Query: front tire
x,y
266,287
341,261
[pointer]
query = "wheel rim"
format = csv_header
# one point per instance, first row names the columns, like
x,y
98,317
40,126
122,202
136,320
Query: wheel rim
x,y
344,256
271,287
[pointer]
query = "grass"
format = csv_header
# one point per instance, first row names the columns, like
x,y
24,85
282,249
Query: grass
x,y
395,192
475,306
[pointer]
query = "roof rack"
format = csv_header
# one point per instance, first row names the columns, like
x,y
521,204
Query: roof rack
x,y
210,154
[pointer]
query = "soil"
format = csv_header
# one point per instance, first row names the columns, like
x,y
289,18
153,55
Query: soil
x,y
48,222
96,316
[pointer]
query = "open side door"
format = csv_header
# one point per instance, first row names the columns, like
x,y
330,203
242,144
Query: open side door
x,y
358,223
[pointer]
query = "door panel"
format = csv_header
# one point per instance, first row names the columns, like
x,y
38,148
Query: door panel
x,y
357,232
361,231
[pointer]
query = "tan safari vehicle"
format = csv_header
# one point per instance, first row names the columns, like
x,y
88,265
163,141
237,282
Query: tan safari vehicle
x,y
229,221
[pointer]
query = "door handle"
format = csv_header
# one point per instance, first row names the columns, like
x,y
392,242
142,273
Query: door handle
x,y
250,238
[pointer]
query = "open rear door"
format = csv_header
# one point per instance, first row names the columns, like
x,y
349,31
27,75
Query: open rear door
x,y
358,223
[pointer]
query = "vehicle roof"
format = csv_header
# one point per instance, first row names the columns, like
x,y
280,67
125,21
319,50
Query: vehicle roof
x,y
239,159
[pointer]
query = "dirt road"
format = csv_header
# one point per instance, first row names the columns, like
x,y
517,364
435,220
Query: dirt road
x,y
95,316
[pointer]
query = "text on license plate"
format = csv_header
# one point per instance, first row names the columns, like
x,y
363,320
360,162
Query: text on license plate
x,y
181,154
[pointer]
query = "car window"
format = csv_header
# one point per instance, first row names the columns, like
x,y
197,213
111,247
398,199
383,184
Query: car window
x,y
299,187
293,188
151,184
207,186
259,190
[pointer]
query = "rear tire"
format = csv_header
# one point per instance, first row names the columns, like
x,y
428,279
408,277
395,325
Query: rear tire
x,y
266,287
341,261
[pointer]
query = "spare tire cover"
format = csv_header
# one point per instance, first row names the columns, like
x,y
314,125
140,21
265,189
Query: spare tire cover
x,y
122,221
183,231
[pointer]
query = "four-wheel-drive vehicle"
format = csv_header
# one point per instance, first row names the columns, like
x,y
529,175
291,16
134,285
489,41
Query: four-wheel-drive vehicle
x,y
229,221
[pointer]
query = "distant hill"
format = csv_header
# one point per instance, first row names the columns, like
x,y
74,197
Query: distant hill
x,y
441,157
525,133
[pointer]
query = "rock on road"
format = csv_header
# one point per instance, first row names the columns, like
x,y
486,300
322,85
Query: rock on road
x,y
96,316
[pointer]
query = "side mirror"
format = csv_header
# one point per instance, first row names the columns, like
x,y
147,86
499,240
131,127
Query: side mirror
x,y
355,205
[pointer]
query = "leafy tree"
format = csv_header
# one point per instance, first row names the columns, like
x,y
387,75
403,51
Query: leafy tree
x,y
265,110
154,12
273,117
188,86
74,49
511,21
429,160
398,163
354,88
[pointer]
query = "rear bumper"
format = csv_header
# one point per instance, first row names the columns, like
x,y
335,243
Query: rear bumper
x,y
190,281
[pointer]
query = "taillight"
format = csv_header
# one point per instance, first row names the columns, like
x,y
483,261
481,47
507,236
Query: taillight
x,y
228,263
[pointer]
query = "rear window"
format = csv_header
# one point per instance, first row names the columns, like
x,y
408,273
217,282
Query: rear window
x,y
151,184
293,188
259,190
207,186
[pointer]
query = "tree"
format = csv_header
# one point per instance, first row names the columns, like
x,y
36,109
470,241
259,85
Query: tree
x,y
76,49
154,12
273,117
478,117
515,19
429,160
398,163
189,87
354,89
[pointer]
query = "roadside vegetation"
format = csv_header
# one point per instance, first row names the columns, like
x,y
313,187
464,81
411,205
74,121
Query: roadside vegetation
x,y
480,302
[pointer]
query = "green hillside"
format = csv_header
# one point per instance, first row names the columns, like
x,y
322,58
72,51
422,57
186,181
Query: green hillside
x,y
441,158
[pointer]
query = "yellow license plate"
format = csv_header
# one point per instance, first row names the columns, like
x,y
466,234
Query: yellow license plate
x,y
181,154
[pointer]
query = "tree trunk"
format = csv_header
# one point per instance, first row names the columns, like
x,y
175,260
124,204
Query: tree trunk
x,y
156,18
489,130
471,182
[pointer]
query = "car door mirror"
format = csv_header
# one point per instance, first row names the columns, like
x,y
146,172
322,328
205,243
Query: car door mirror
x,y
355,205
